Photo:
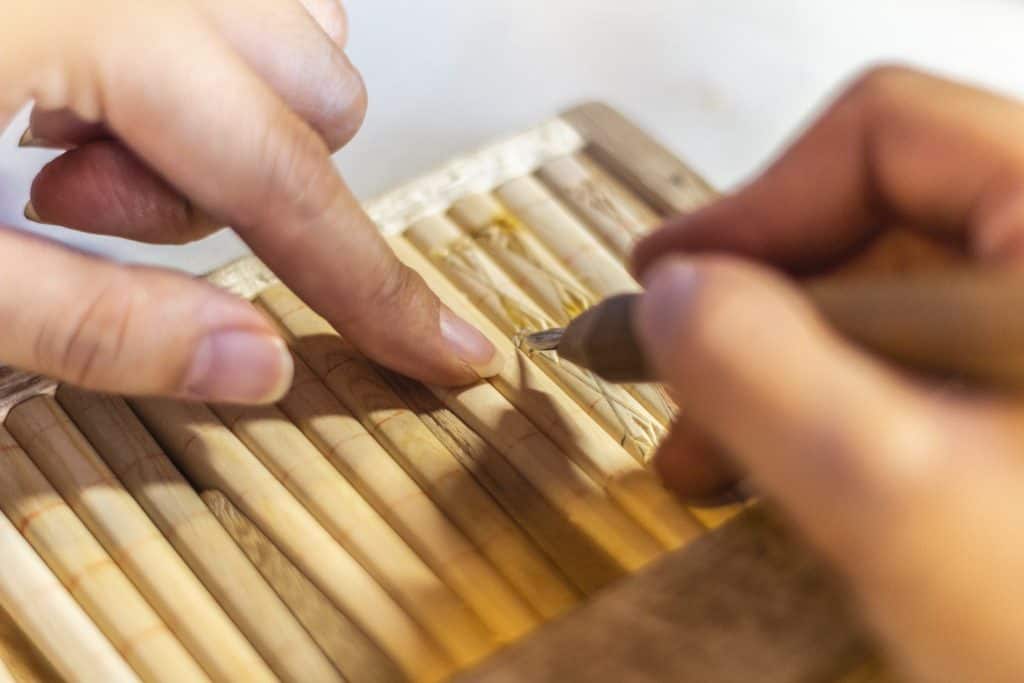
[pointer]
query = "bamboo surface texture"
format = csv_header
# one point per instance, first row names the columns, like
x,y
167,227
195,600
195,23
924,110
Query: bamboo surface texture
x,y
99,499
346,515
344,642
22,659
357,384
347,446
41,607
175,507
215,459
88,571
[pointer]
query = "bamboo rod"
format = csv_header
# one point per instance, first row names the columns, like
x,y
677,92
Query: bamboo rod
x,y
339,508
567,238
88,572
214,458
23,660
359,386
491,290
362,389
43,609
99,499
531,266
175,507
5,673
560,418
348,647
607,207
579,556
391,491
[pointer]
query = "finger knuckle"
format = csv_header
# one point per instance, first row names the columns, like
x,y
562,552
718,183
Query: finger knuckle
x,y
881,84
84,348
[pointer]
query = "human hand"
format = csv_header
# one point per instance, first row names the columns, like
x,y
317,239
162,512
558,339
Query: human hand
x,y
182,116
912,490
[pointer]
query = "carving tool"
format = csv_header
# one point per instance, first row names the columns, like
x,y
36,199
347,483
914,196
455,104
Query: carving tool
x,y
965,324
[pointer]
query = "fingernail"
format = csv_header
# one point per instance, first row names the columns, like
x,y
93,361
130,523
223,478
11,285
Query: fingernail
x,y
29,140
31,214
240,367
470,345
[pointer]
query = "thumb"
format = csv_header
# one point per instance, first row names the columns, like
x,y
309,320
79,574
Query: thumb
x,y
827,431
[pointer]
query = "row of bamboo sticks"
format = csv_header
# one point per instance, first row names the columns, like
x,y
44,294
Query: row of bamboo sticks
x,y
367,527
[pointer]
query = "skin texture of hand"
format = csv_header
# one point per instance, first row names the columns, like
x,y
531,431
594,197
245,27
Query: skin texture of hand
x,y
912,490
181,116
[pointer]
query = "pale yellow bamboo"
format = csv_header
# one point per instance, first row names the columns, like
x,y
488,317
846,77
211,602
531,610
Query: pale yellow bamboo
x,y
88,572
214,458
567,238
348,647
23,659
608,208
560,418
175,507
339,508
567,487
579,556
47,614
435,469
527,262
5,674
388,488
99,499
533,267
491,290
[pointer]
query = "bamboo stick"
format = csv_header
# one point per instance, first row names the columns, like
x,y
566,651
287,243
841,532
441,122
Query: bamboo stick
x,y
82,478
578,555
5,673
339,508
363,390
567,238
408,440
509,307
611,211
88,572
557,416
531,266
43,609
214,458
22,659
347,646
388,488
175,507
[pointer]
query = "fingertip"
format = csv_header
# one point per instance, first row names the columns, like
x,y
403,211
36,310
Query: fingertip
x,y
239,366
470,346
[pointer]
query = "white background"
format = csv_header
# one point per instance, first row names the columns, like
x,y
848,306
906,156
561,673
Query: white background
x,y
723,82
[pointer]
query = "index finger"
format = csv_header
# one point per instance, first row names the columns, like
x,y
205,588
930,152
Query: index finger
x,y
898,147
270,175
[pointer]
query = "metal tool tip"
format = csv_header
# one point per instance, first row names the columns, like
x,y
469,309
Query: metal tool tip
x,y
547,340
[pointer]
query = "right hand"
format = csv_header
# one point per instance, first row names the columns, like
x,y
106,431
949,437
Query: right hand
x,y
182,116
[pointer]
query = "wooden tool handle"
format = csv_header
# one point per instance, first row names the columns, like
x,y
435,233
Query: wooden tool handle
x,y
965,324
968,324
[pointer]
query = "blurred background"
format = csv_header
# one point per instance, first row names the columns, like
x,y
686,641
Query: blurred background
x,y
724,83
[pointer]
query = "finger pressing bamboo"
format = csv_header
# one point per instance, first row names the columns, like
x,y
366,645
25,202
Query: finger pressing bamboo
x,y
491,290
388,488
214,458
609,209
354,380
347,646
88,572
24,661
568,488
339,508
557,416
579,556
100,500
549,284
175,507
36,604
